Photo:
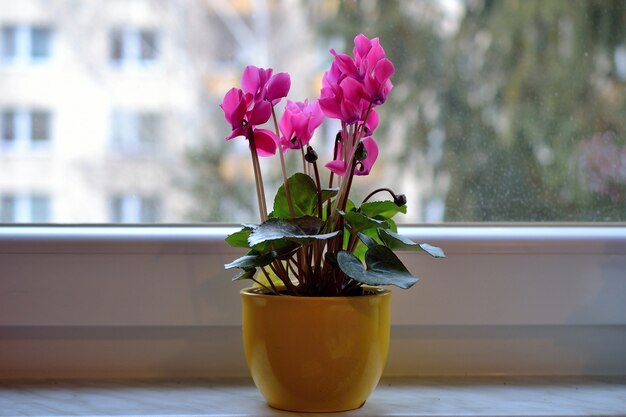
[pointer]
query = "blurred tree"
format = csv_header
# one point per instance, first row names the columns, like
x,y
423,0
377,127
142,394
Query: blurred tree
x,y
514,94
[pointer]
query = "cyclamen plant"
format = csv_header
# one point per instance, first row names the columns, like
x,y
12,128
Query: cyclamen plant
x,y
315,240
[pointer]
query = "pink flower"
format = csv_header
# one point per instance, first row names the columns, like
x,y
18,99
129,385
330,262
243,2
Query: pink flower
x,y
370,73
299,121
241,111
373,67
343,101
371,123
251,106
339,166
264,86
365,166
266,142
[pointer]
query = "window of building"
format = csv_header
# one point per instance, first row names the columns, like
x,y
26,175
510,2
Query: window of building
x,y
135,132
25,129
25,208
28,44
133,47
134,208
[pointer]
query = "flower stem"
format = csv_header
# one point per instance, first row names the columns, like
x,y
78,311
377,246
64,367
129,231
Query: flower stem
x,y
379,190
258,178
282,166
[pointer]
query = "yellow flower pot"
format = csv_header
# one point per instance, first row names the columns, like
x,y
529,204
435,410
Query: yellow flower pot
x,y
316,354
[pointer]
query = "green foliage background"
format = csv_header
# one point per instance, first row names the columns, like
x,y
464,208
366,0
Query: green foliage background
x,y
498,113
516,91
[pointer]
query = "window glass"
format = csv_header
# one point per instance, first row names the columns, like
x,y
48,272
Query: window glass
x,y
7,209
148,49
8,126
40,126
135,132
117,46
25,208
40,42
501,111
132,208
7,42
40,209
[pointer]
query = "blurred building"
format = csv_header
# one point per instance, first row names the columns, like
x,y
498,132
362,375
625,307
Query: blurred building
x,y
100,102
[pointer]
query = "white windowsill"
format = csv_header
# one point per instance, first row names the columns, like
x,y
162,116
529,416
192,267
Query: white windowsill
x,y
467,239
504,396
137,302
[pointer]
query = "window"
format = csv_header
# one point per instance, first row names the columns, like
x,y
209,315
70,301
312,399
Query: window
x,y
135,132
132,208
501,112
25,129
28,44
133,47
25,208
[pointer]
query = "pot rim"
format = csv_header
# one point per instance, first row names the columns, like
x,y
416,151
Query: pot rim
x,y
262,293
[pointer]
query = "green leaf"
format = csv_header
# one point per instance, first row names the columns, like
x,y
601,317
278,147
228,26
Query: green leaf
x,y
367,240
395,241
432,250
252,260
329,193
359,221
239,239
383,268
245,274
381,209
303,196
303,230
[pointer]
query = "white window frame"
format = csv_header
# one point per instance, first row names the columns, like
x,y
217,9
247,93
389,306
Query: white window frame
x,y
131,44
23,127
24,44
127,131
132,208
23,206
508,299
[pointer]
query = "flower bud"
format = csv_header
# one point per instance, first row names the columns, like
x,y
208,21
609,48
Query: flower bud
x,y
399,200
361,152
311,155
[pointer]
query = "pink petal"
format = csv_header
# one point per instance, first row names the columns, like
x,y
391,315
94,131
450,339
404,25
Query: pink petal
x,y
330,103
266,142
251,79
365,166
239,131
345,64
285,125
362,46
372,120
384,70
234,107
376,53
260,113
278,87
333,76
338,167
352,90
317,117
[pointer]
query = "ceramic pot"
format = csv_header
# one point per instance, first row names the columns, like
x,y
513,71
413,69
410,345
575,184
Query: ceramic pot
x,y
316,354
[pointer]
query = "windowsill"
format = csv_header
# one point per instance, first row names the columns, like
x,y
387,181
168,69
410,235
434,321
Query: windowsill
x,y
155,301
486,396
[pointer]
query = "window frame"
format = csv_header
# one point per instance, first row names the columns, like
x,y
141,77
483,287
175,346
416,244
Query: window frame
x,y
24,129
532,299
131,47
24,44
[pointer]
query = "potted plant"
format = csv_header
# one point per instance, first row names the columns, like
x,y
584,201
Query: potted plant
x,y
316,325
